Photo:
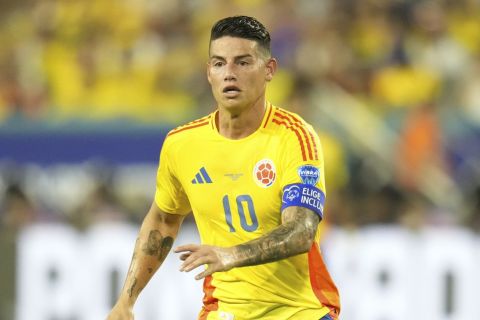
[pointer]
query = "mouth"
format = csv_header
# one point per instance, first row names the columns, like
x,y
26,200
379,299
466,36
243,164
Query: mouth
x,y
231,90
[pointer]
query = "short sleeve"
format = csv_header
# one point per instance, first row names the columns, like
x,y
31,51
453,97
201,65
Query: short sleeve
x,y
170,196
303,179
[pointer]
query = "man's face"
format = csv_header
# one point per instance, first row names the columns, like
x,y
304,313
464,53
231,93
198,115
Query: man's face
x,y
238,71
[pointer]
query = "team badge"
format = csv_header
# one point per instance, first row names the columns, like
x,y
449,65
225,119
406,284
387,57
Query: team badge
x,y
309,174
264,173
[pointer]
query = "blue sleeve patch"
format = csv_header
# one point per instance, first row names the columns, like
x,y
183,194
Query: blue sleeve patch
x,y
303,195
309,174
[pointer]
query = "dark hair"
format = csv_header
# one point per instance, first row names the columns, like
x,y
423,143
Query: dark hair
x,y
242,27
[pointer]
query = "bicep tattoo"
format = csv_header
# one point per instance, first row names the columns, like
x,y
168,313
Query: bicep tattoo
x,y
304,219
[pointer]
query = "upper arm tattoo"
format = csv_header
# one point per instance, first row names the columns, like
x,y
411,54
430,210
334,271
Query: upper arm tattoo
x,y
302,218
293,236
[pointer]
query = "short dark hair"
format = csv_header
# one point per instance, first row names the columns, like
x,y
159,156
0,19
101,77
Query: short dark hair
x,y
242,27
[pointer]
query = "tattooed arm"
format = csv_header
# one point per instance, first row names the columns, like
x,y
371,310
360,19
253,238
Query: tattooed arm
x,y
154,241
294,236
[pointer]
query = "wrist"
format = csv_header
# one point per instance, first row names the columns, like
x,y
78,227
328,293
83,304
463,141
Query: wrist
x,y
126,302
228,258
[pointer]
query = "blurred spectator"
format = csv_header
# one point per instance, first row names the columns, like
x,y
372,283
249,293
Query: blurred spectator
x,y
470,92
415,211
384,206
100,206
402,85
342,210
472,220
420,147
16,212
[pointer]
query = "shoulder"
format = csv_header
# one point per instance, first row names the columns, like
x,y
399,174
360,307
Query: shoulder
x,y
289,121
295,132
184,135
192,128
291,124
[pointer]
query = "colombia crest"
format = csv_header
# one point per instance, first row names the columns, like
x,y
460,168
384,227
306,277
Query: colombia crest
x,y
264,173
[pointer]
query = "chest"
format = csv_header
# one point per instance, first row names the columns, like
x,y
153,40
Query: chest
x,y
236,184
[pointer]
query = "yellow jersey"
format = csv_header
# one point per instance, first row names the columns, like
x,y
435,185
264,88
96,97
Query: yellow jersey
x,y
236,190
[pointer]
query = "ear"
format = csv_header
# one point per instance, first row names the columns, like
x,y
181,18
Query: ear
x,y
270,67
208,73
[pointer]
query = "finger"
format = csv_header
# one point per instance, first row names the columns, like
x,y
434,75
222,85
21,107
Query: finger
x,y
187,247
204,274
188,260
184,256
195,263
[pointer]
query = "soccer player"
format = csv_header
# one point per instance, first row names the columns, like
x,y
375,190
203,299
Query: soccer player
x,y
252,174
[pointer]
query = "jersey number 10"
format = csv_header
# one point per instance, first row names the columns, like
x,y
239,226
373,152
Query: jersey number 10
x,y
241,200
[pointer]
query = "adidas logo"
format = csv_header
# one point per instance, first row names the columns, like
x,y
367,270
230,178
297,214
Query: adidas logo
x,y
202,177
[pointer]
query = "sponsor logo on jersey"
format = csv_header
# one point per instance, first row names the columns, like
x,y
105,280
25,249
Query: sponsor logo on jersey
x,y
291,193
264,173
309,174
201,177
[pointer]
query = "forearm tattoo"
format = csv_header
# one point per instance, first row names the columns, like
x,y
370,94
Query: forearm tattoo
x,y
132,287
134,258
157,245
291,238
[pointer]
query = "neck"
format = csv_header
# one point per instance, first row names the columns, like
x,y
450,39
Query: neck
x,y
238,124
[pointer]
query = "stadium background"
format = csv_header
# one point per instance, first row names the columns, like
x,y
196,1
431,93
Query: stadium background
x,y
88,90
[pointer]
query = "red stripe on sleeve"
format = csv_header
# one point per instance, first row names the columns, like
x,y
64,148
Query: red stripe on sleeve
x,y
200,120
310,133
300,141
298,125
315,150
188,127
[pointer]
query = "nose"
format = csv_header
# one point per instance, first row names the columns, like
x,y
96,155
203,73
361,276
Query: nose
x,y
230,72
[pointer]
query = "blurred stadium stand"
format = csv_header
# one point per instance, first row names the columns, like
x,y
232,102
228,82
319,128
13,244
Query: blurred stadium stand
x,y
89,89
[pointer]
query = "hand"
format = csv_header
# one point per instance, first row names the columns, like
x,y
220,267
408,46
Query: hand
x,y
217,258
120,312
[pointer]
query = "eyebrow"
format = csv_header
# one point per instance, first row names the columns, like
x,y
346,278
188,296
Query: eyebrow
x,y
235,58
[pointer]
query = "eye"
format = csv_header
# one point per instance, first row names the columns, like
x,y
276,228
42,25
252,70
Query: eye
x,y
243,63
218,64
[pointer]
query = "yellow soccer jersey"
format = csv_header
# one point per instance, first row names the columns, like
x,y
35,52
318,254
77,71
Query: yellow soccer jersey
x,y
236,190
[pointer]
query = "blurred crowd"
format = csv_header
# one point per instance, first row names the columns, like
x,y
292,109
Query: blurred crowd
x,y
145,59
413,65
